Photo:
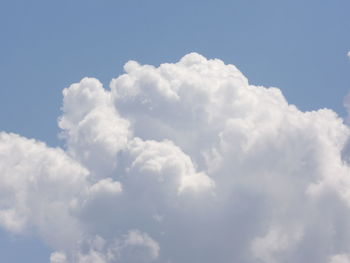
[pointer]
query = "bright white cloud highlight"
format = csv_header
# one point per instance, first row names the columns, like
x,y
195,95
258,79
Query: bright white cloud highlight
x,y
185,162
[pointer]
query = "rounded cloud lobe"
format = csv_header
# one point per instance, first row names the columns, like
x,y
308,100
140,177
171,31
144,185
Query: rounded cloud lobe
x,y
185,162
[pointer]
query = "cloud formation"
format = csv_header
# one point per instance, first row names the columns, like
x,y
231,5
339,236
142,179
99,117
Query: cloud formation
x,y
185,162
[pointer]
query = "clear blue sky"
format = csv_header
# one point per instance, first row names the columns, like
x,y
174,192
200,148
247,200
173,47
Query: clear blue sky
x,y
299,46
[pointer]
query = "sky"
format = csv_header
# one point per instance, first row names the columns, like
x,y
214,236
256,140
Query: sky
x,y
197,113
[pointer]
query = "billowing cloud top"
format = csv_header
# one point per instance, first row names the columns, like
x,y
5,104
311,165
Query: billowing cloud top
x,y
185,162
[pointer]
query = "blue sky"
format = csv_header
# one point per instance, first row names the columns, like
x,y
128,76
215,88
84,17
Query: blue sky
x,y
298,46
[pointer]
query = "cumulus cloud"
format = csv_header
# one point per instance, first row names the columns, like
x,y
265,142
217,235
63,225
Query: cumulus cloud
x,y
185,162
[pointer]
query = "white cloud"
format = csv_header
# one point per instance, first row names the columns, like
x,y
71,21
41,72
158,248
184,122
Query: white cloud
x,y
341,258
58,257
133,247
277,240
93,130
185,162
